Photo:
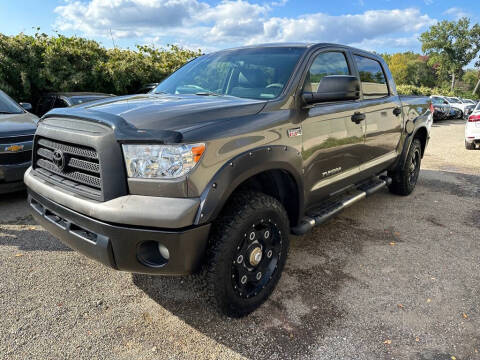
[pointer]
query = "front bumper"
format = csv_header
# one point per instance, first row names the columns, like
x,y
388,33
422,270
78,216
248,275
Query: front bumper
x,y
11,177
122,247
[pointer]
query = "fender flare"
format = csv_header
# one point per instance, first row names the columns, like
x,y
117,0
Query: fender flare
x,y
242,167
407,143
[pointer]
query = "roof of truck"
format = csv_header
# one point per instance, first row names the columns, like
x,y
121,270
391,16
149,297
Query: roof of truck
x,y
299,45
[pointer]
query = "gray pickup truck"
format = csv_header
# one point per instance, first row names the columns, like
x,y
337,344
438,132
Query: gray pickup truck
x,y
223,160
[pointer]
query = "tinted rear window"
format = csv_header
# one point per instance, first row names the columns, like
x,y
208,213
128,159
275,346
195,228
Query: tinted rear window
x,y
374,83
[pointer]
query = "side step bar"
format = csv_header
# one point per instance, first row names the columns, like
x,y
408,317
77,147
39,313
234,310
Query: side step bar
x,y
332,207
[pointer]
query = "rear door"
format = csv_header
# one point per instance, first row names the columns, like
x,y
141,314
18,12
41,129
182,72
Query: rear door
x,y
382,109
332,142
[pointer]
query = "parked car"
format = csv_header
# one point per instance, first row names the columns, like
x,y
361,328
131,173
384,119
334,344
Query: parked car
x,y
17,127
469,101
223,160
472,129
458,107
468,110
66,99
442,108
147,88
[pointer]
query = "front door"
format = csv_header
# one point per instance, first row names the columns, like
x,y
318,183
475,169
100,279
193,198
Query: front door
x,y
332,142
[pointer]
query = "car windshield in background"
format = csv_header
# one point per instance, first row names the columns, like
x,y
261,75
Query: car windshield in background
x,y
76,100
8,106
246,73
453,100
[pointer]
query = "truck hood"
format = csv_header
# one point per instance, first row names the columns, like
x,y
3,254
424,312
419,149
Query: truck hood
x,y
168,112
17,124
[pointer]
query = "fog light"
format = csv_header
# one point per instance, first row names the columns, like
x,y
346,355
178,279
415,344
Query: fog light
x,y
164,251
152,254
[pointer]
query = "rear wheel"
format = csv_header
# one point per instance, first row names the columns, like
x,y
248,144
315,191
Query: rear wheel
x,y
469,146
247,254
405,179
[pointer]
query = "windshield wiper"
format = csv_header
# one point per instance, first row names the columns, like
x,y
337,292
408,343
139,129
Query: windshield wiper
x,y
8,113
207,93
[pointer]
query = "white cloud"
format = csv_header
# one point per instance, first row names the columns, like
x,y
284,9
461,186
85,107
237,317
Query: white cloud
x,y
234,22
456,13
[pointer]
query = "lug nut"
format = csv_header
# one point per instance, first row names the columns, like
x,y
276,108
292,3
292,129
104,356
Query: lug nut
x,y
259,275
244,279
240,259
252,236
269,254
266,234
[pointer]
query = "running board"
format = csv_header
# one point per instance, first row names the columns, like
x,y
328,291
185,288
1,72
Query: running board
x,y
333,206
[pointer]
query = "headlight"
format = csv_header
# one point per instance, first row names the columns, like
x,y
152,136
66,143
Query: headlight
x,y
161,161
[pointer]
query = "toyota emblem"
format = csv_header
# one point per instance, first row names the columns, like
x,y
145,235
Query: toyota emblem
x,y
59,159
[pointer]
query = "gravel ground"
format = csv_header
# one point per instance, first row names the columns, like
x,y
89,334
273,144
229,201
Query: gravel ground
x,y
390,278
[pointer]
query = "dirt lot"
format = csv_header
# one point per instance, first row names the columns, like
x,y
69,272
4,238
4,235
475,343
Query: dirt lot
x,y
390,278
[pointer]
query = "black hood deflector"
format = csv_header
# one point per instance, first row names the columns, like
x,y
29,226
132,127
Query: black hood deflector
x,y
124,131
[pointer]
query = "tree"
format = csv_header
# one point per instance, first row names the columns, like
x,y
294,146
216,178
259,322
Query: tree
x,y
409,68
452,45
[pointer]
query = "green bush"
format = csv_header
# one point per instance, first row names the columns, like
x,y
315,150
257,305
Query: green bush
x,y
426,91
33,65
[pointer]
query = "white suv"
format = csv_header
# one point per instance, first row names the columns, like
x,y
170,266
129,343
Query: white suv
x,y
472,129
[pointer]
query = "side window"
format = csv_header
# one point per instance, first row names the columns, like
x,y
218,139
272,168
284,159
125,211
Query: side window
x,y
327,63
372,77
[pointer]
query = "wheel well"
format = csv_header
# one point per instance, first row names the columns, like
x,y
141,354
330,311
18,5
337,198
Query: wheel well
x,y
280,185
421,134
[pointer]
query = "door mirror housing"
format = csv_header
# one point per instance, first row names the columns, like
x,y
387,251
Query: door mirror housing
x,y
26,106
334,88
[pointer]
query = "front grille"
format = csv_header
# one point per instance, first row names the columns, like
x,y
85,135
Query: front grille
x,y
81,167
15,158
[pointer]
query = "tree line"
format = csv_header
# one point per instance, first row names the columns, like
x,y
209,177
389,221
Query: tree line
x,y
33,65
448,47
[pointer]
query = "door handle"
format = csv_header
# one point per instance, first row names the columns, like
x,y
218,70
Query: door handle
x,y
357,118
397,111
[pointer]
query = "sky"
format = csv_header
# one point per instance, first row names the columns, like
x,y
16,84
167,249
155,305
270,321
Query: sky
x,y
377,25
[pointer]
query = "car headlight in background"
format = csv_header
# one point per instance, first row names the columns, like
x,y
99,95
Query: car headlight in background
x,y
161,161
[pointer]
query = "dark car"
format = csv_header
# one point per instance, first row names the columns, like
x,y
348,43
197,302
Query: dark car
x,y
66,99
223,160
147,88
17,127
441,108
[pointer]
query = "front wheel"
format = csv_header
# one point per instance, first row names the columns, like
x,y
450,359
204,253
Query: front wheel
x,y
248,250
405,179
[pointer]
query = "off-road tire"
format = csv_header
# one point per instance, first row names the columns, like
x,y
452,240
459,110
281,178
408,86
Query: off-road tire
x,y
242,212
405,179
469,146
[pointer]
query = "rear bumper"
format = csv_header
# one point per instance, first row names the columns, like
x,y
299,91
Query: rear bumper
x,y
122,247
11,177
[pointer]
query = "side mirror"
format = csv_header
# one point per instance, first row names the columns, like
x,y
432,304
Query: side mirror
x,y
26,106
334,88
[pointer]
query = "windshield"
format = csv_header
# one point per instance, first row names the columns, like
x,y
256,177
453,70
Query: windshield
x,y
75,100
8,106
437,101
453,100
258,73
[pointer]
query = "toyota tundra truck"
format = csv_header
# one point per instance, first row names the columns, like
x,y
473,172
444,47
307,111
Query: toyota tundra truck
x,y
223,160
